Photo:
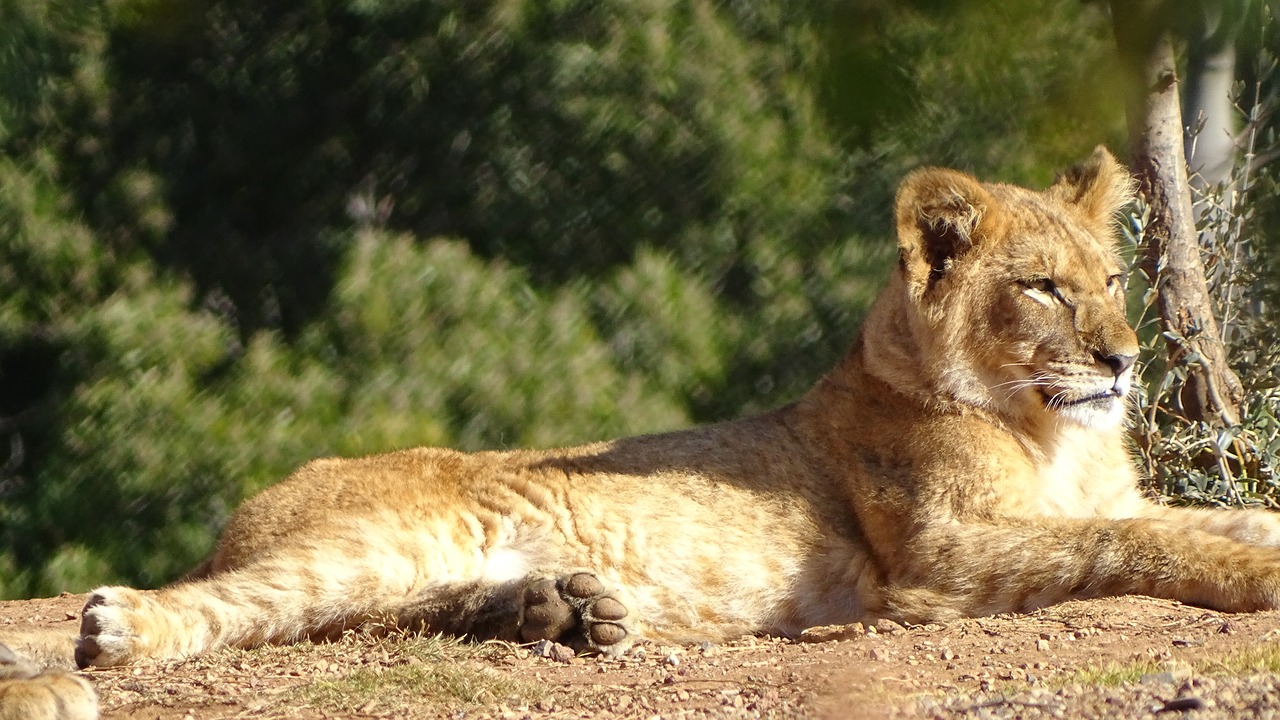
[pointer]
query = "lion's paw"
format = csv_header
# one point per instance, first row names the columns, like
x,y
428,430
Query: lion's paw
x,y
110,632
28,693
577,609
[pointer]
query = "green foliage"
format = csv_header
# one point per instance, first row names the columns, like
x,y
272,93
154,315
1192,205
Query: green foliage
x,y
40,59
1004,88
429,338
463,119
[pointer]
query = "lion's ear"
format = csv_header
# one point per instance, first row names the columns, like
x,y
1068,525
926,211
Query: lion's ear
x,y
939,213
1100,186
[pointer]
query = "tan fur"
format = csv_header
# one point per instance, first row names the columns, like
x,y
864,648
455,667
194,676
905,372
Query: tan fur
x,y
29,693
967,456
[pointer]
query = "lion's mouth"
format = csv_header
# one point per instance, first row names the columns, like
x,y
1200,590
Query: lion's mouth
x,y
1099,406
1059,401
1105,396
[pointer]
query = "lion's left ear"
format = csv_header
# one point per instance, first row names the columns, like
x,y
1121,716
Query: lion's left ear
x,y
1100,186
940,216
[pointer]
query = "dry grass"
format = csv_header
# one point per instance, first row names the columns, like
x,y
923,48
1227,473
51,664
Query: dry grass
x,y
1258,660
420,673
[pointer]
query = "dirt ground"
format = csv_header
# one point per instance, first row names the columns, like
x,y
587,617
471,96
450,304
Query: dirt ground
x,y
1124,657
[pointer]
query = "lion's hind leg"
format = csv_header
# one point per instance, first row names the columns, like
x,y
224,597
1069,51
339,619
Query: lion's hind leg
x,y
445,579
280,599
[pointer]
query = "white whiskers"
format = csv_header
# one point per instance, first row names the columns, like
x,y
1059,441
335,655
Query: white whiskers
x,y
1038,379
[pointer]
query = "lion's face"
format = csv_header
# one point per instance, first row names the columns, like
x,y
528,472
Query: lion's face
x,y
1021,294
1050,319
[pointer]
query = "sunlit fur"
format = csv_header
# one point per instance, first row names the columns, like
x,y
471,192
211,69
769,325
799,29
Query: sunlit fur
x,y
967,456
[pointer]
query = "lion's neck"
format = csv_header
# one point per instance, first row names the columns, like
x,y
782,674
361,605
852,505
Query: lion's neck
x,y
896,348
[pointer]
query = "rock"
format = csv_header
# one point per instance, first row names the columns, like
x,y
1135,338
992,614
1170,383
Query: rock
x,y
552,651
886,626
1182,704
827,633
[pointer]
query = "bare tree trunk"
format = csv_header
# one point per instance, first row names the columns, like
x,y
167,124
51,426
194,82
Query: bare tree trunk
x,y
1210,115
1211,392
1207,110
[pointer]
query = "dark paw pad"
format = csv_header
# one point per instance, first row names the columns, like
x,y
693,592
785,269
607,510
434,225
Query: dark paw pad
x,y
583,585
577,609
546,614
604,634
606,608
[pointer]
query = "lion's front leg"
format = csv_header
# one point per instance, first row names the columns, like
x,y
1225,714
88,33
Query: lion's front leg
x,y
961,569
1247,525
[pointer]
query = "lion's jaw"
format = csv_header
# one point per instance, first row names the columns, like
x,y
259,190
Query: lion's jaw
x,y
1097,402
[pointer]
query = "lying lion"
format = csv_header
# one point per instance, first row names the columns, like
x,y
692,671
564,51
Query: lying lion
x,y
966,457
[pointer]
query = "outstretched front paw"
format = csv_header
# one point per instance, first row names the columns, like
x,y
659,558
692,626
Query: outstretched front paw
x,y
577,609
110,632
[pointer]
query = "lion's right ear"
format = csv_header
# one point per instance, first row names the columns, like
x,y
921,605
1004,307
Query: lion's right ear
x,y
939,214
1099,185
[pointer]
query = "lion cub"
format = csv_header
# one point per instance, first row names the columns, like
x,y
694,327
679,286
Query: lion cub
x,y
967,456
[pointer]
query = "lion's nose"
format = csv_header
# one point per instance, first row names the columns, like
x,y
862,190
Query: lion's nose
x,y
1118,362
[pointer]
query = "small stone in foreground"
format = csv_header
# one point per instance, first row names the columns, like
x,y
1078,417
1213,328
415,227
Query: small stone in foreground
x,y
827,633
552,651
1182,704
886,626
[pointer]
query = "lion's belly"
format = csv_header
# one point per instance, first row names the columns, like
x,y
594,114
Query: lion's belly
x,y
698,554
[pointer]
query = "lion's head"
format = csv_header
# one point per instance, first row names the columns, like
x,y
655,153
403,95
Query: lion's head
x,y
1013,300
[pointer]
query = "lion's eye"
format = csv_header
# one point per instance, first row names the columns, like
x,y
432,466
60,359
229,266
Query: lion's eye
x,y
1115,282
1044,285
1043,290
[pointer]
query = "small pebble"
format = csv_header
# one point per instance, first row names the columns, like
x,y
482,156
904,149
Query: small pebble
x,y
1182,704
888,627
